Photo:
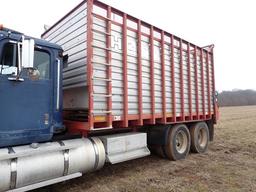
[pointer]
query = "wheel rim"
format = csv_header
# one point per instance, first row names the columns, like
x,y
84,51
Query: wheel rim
x,y
202,137
181,142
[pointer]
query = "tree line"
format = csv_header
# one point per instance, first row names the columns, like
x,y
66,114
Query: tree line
x,y
237,98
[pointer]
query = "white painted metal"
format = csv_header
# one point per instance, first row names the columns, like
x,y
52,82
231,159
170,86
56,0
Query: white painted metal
x,y
70,33
177,76
132,73
23,166
168,84
158,77
117,70
100,67
146,94
125,146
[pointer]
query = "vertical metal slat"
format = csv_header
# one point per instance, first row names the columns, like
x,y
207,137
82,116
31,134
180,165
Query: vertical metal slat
x,y
125,89
109,69
196,82
213,89
202,80
89,62
152,74
181,82
163,78
189,83
208,84
139,74
173,81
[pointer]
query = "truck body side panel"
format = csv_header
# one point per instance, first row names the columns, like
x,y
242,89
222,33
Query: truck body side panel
x,y
156,77
70,33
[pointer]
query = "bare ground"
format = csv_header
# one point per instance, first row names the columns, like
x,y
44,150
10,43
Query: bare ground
x,y
229,165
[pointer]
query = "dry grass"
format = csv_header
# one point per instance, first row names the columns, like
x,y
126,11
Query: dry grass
x,y
229,165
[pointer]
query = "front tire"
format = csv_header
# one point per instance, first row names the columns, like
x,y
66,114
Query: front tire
x,y
178,144
199,133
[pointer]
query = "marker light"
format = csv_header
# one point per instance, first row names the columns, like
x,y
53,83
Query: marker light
x,y
1,26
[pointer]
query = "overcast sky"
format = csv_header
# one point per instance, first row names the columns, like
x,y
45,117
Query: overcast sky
x,y
229,24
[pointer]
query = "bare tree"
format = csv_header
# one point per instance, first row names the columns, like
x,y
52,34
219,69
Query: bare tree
x,y
237,98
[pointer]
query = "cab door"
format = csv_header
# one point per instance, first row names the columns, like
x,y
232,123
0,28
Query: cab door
x,y
26,101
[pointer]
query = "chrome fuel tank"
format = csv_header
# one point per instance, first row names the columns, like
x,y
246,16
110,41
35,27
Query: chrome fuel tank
x,y
26,165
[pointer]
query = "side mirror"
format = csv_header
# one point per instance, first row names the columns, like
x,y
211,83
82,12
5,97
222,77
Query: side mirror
x,y
27,53
25,57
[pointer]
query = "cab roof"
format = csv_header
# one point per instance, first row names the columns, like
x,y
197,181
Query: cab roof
x,y
15,35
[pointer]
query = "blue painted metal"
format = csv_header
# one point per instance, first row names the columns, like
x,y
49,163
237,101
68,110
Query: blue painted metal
x,y
28,109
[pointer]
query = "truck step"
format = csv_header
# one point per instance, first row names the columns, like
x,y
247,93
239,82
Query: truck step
x,y
125,146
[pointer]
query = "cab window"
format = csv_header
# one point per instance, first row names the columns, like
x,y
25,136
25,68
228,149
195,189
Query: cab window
x,y
42,63
9,60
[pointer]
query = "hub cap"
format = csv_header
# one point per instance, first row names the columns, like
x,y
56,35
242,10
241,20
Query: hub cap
x,y
202,137
181,142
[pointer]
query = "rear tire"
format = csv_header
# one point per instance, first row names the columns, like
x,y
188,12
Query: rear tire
x,y
178,144
158,150
199,133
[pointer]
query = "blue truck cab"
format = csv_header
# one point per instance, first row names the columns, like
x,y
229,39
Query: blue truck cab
x,y
30,89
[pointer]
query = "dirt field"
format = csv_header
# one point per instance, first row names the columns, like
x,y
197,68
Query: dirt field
x,y
229,165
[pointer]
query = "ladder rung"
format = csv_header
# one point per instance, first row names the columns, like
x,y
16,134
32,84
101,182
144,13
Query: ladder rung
x,y
99,63
101,79
101,32
101,112
97,15
101,95
102,128
107,49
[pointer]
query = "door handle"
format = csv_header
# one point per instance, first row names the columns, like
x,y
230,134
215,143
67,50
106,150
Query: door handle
x,y
15,79
58,86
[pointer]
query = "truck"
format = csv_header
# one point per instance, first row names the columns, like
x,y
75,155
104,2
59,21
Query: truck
x,y
100,86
